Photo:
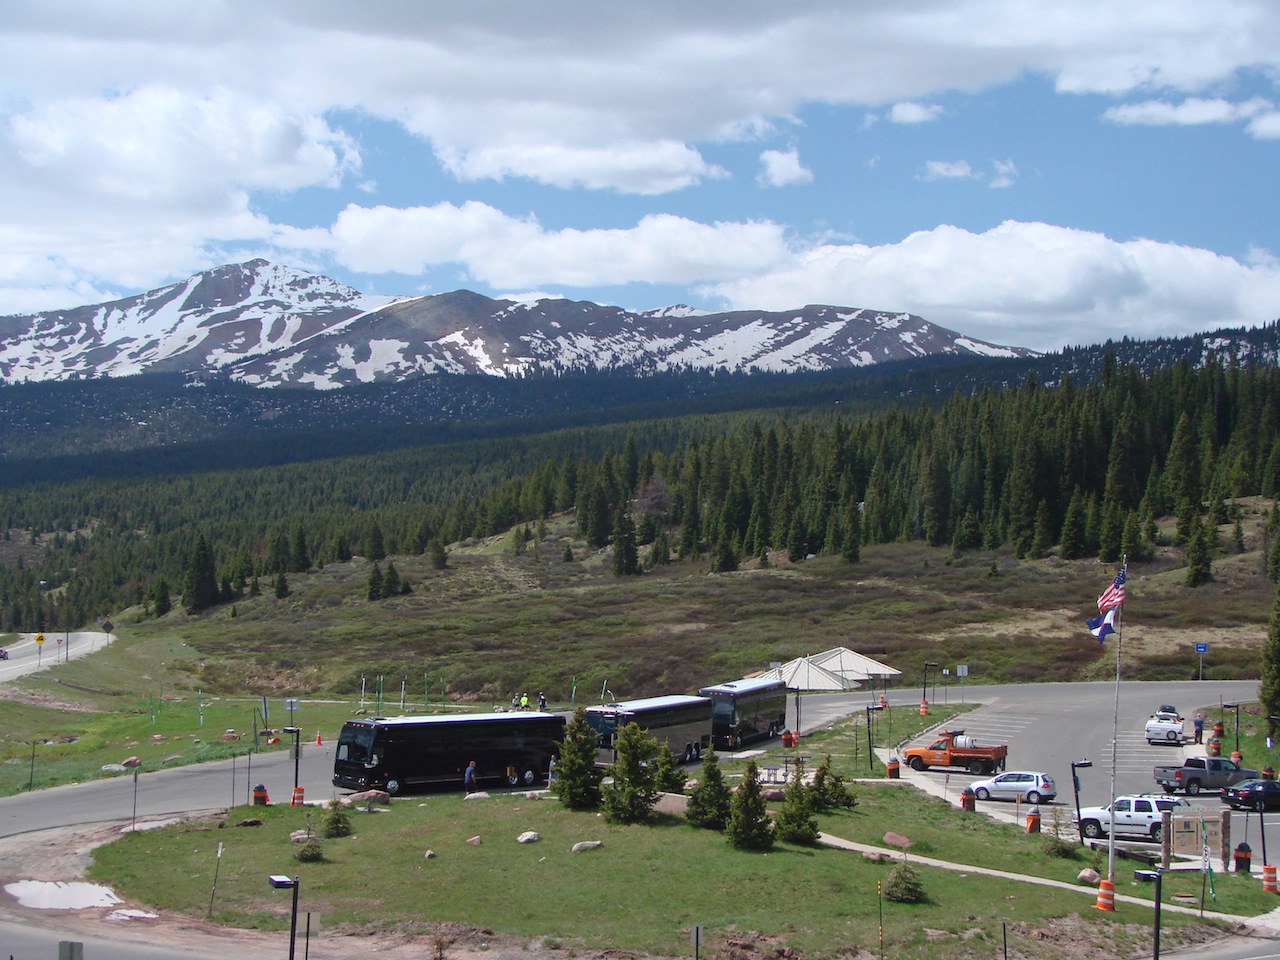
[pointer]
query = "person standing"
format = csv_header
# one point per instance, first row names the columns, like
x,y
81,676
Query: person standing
x,y
469,778
542,702
1198,725
524,701
551,771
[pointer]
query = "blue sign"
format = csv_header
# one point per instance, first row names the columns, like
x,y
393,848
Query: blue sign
x,y
1202,648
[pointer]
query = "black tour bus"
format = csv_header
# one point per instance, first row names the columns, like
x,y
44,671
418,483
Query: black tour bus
x,y
397,753
682,722
746,710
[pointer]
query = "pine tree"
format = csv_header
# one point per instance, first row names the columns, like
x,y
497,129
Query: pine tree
x,y
391,581
299,556
374,589
436,555
200,588
724,557
341,549
375,549
709,801
1199,556
1269,688
851,549
626,558
794,821
668,778
828,790
749,826
660,551
567,556
577,778
1071,540
163,602
281,586
630,797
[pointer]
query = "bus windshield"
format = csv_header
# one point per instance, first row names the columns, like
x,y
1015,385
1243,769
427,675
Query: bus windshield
x,y
355,744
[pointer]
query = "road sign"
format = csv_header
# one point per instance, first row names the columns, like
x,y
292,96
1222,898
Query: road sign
x,y
1202,648
39,639
108,626
962,670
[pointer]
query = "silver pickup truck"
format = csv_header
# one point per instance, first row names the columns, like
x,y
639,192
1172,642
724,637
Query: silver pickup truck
x,y
1201,773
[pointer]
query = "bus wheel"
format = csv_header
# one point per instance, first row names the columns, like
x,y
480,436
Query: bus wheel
x,y
529,776
393,786
688,753
773,730
697,751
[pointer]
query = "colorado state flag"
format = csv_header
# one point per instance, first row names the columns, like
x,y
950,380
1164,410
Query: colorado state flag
x,y
1103,625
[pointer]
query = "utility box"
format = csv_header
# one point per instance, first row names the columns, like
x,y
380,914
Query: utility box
x,y
70,950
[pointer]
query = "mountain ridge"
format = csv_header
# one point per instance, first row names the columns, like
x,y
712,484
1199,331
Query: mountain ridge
x,y
268,325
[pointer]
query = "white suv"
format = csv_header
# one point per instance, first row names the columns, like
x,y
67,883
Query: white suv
x,y
1164,726
1138,816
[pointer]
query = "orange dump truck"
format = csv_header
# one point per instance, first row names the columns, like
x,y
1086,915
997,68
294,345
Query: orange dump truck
x,y
952,748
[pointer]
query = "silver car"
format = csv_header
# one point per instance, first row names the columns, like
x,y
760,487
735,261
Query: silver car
x,y
1030,786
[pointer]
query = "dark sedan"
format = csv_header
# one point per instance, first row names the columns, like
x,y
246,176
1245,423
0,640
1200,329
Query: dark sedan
x,y
1253,795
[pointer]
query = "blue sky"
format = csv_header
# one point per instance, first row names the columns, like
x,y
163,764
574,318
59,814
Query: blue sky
x,y
1039,174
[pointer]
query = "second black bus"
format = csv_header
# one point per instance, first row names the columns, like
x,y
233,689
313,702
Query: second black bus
x,y
746,710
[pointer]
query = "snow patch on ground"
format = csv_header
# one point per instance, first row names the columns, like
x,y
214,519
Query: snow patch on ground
x,y
60,895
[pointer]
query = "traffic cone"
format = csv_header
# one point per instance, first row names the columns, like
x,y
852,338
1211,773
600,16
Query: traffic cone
x,y
319,742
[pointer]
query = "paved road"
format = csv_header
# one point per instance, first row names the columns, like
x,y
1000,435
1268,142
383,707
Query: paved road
x,y
1045,725
26,656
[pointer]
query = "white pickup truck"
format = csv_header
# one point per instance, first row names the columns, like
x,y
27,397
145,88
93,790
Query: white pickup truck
x,y
1165,727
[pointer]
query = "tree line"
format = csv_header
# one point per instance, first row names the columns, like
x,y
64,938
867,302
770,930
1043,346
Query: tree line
x,y
1082,470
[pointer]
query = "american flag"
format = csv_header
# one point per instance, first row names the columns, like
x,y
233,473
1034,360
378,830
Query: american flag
x,y
1113,596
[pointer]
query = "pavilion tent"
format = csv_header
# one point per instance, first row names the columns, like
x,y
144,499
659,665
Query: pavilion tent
x,y
853,666
803,674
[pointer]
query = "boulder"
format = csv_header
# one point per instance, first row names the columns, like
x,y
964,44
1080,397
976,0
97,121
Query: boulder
x,y
1089,877
174,759
250,822
478,795
368,796
130,762
473,841
300,836
529,836
430,855
892,839
582,845
774,794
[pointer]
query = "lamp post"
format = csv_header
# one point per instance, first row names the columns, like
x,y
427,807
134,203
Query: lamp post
x,y
1153,875
924,688
281,882
871,708
1075,783
297,751
1236,708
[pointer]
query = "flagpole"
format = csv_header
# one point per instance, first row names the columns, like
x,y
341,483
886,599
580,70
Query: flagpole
x,y
1115,734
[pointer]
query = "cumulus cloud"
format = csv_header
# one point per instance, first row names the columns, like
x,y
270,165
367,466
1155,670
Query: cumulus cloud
x,y
1026,284
949,170
914,112
1193,111
1006,172
515,252
782,168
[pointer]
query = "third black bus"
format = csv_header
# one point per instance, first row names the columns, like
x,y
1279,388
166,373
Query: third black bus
x,y
399,753
746,710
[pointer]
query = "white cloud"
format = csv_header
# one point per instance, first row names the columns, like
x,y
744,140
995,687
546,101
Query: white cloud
x,y
512,252
949,170
1006,172
1026,284
782,168
1193,111
915,112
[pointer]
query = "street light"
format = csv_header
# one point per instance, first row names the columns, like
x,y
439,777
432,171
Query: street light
x,y
281,882
1153,875
1075,782
1236,708
924,687
871,708
297,751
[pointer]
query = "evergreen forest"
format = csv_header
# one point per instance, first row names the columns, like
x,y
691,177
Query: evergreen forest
x,y
1077,470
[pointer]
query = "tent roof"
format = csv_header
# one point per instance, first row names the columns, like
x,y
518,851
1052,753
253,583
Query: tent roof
x,y
836,669
803,674
847,663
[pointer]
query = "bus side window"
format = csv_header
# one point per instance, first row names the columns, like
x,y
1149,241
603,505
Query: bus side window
x,y
342,751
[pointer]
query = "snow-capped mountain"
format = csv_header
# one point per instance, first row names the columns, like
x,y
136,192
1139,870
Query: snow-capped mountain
x,y
268,325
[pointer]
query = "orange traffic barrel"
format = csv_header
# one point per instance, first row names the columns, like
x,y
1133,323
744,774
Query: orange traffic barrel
x,y
296,800
1106,896
1269,878
924,708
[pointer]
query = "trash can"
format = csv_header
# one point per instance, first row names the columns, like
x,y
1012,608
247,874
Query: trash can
x,y
788,738
1244,857
1215,747
968,800
1218,729
891,769
1268,772
1033,819
260,798
1237,757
